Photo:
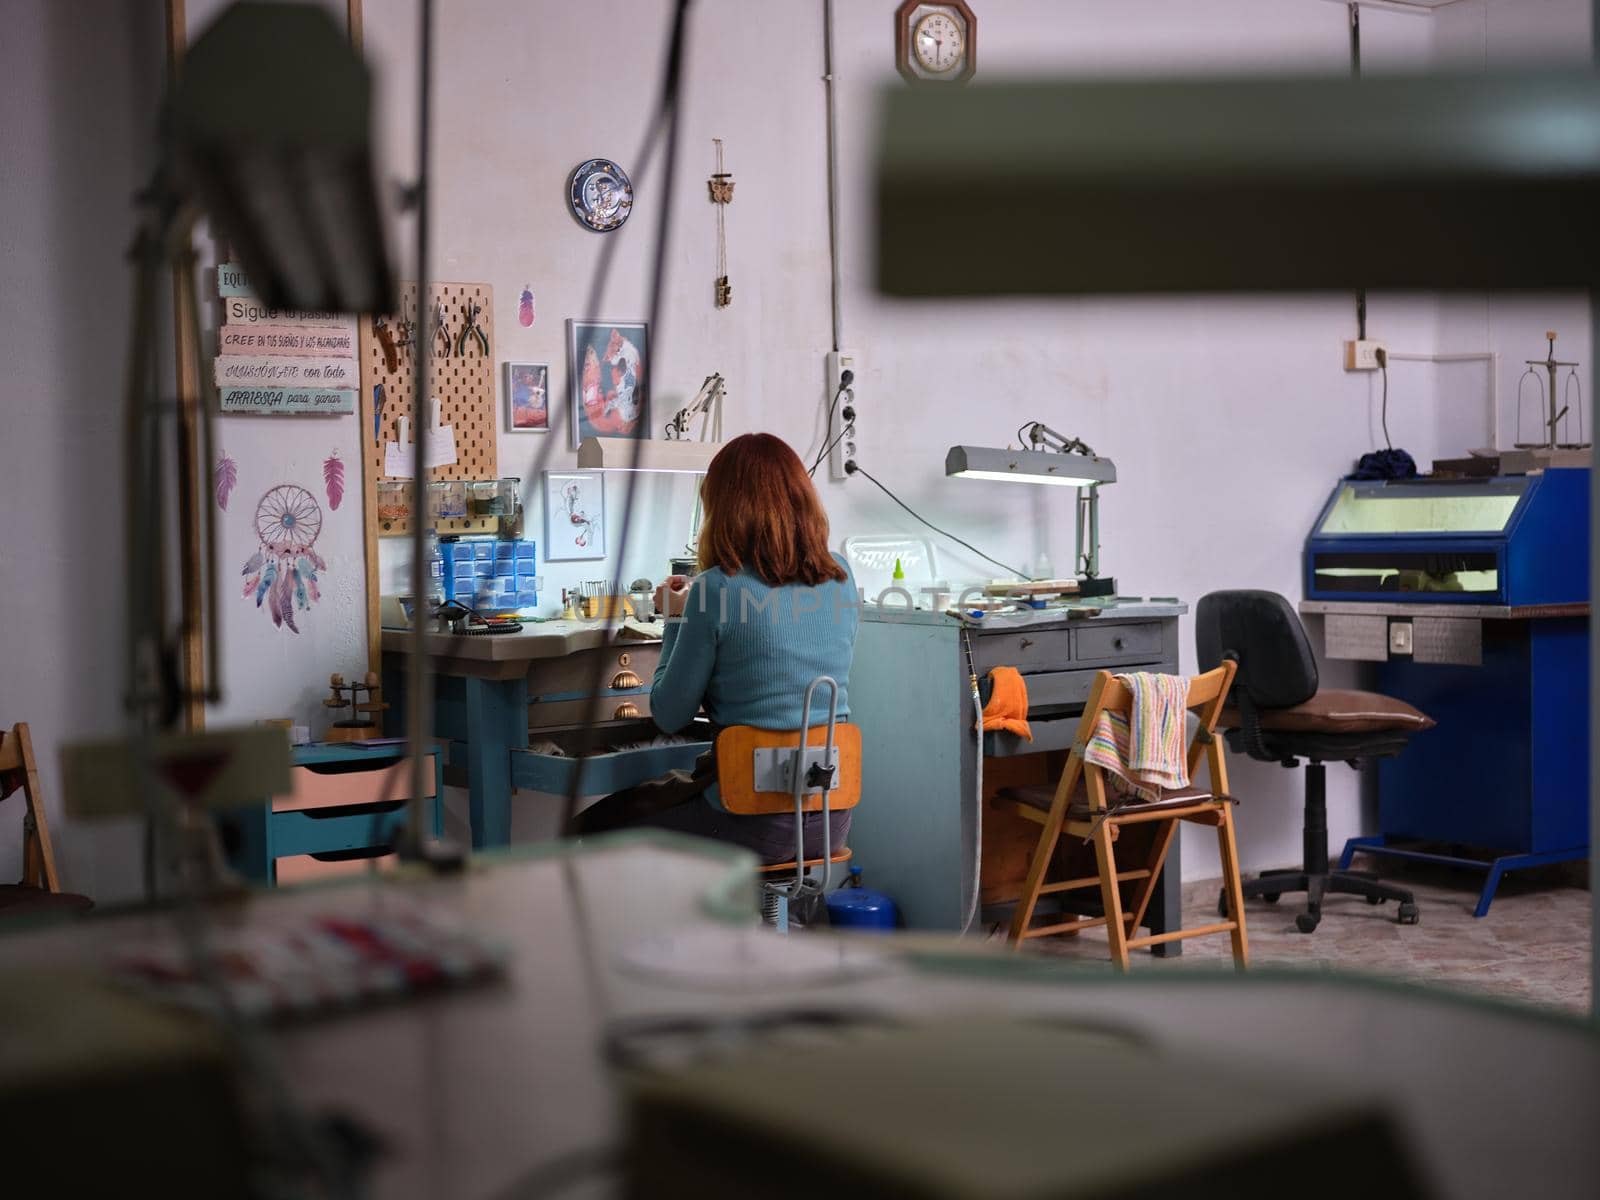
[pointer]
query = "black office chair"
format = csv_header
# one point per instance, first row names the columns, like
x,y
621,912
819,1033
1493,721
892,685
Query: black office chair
x,y
1277,714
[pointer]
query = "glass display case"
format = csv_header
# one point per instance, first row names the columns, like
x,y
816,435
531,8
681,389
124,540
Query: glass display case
x,y
1486,541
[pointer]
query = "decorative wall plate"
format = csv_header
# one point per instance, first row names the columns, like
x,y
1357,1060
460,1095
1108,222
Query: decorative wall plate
x,y
601,194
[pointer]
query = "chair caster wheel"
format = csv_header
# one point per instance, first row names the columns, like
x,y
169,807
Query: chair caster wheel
x,y
1409,914
1307,922
1374,899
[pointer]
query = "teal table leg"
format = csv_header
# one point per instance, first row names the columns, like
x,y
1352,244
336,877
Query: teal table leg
x,y
497,724
438,788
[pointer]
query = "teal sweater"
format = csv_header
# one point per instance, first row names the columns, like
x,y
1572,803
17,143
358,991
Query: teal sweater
x,y
745,651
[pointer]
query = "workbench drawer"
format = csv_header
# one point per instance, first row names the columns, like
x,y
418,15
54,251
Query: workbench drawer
x,y
621,668
1049,733
1055,690
1117,643
557,714
1027,651
606,772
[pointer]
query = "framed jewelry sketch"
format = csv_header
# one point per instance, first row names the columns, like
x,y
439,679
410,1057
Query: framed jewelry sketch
x,y
574,515
608,363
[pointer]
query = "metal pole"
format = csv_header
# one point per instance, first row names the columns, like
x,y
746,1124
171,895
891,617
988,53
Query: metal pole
x,y
418,700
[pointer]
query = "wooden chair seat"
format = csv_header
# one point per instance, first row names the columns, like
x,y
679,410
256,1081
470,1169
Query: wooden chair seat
x,y
1082,805
1040,798
842,855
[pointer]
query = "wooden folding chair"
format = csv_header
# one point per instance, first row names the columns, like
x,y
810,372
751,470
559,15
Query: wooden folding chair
x,y
1082,805
40,886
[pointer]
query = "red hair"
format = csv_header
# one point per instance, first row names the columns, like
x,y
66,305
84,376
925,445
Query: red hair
x,y
762,514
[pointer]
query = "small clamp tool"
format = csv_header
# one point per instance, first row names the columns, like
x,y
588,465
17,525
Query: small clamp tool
x,y
441,330
472,329
407,340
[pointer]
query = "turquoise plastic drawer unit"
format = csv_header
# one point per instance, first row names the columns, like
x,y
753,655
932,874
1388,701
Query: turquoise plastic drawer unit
x,y
490,575
345,811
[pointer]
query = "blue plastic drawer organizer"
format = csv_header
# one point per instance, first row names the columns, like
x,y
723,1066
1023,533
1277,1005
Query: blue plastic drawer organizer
x,y
490,575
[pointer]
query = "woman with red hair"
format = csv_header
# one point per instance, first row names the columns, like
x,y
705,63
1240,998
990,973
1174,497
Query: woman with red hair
x,y
771,610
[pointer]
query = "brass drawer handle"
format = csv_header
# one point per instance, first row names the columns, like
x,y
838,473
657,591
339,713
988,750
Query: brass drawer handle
x,y
625,679
625,710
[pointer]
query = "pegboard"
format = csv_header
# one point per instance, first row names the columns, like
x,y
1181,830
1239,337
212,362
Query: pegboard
x,y
465,387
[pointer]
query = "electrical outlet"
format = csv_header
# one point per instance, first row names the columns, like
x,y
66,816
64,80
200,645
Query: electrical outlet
x,y
842,429
1362,356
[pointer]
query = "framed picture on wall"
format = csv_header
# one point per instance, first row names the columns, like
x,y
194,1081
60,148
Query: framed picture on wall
x,y
608,363
574,515
527,397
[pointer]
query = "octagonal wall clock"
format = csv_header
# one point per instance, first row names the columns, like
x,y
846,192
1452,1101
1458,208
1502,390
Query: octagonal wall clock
x,y
935,42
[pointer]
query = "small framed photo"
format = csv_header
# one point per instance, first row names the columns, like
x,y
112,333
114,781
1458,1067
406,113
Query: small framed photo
x,y
527,397
608,363
574,515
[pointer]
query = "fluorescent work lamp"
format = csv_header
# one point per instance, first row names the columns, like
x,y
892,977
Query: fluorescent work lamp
x,y
1028,466
1055,459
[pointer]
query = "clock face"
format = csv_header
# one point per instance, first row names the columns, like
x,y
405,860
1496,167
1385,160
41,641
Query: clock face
x,y
938,41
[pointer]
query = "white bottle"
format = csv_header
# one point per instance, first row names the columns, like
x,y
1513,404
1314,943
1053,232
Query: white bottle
x,y
1042,569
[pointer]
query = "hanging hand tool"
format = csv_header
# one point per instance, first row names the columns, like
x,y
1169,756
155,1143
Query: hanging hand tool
x,y
408,336
472,329
441,331
380,330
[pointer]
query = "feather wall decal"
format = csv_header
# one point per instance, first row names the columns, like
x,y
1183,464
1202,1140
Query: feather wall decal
x,y
265,585
254,564
333,479
525,306
226,477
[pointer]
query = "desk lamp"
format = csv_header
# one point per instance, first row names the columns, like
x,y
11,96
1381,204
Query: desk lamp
x,y
1050,458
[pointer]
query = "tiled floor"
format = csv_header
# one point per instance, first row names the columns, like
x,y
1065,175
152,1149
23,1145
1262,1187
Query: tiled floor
x,y
1533,945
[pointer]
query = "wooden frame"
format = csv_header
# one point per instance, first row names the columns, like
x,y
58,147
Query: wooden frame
x,y
1207,694
38,852
902,40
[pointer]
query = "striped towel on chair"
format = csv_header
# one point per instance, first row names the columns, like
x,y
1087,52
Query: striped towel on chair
x,y
1145,752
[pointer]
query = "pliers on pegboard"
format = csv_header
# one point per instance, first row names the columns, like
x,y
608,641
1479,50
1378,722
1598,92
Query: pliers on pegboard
x,y
472,329
441,330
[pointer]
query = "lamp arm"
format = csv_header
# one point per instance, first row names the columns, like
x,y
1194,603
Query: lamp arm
x,y
707,404
1041,436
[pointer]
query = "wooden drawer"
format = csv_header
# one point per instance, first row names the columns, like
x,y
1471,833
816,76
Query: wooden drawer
x,y
313,868
1028,651
573,676
338,784
1117,643
560,714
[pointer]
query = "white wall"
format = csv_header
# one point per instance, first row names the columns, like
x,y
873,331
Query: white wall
x,y
78,86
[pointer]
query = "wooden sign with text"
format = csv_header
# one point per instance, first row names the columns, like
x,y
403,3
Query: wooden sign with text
x,y
293,401
252,370
244,310
295,340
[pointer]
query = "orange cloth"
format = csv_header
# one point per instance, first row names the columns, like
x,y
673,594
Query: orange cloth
x,y
1008,704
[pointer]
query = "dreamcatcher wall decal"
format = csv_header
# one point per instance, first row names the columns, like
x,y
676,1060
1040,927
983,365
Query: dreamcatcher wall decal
x,y
283,572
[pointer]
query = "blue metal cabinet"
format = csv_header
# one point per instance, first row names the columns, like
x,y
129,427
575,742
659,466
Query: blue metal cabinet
x,y
1472,597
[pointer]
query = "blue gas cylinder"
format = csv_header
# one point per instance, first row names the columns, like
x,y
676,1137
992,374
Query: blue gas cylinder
x,y
855,907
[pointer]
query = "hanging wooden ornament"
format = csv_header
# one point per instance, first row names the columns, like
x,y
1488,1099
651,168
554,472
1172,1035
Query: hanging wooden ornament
x,y
721,185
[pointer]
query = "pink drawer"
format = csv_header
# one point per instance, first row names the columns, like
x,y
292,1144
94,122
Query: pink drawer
x,y
316,788
308,868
